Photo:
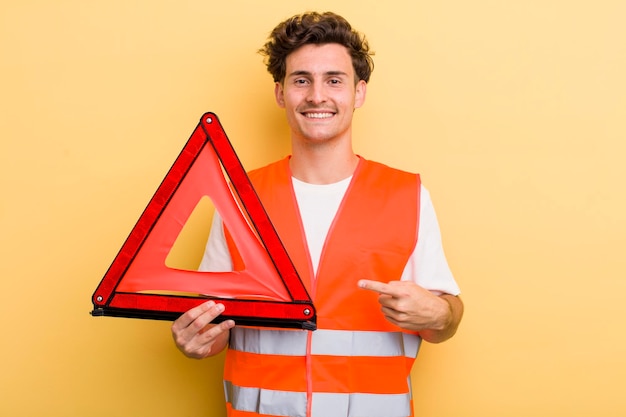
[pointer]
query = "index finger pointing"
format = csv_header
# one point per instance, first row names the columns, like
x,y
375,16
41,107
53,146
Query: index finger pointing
x,y
377,286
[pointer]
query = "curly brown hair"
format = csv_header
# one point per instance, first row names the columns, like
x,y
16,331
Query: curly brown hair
x,y
316,28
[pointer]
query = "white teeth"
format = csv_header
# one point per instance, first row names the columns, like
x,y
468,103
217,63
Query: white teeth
x,y
318,115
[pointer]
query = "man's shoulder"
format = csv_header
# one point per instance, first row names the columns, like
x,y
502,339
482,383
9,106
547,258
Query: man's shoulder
x,y
375,166
272,169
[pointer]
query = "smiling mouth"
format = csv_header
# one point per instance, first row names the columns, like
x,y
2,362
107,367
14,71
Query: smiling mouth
x,y
318,115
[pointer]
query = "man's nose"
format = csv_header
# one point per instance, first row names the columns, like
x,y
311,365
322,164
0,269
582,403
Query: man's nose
x,y
316,93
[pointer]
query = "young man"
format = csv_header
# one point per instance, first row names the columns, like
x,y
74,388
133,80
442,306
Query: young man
x,y
363,237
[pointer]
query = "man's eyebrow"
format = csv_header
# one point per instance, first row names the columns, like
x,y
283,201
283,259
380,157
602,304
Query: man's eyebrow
x,y
337,73
298,73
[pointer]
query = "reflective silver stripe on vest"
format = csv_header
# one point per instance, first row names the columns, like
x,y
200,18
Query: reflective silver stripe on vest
x,y
265,401
361,405
412,344
361,343
293,404
325,342
268,342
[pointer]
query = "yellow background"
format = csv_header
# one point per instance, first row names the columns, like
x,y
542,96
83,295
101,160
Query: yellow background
x,y
512,111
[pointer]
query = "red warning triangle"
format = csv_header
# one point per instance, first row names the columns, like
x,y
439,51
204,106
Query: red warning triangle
x,y
267,292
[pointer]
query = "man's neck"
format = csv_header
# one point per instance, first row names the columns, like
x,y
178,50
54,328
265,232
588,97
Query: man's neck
x,y
323,166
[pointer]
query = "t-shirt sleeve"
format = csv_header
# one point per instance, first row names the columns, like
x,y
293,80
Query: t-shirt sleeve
x,y
428,266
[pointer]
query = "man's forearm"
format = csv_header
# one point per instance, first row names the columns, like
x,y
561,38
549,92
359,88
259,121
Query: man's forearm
x,y
450,320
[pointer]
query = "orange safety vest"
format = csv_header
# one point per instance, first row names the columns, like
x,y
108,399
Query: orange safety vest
x,y
356,363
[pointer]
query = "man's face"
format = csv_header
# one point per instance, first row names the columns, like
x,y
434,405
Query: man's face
x,y
319,93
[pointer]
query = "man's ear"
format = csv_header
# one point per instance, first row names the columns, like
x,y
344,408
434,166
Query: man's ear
x,y
360,93
279,95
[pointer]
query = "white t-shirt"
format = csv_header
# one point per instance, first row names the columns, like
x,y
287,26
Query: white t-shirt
x,y
318,206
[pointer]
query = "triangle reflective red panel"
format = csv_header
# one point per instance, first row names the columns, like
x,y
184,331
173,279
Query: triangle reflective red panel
x,y
266,292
